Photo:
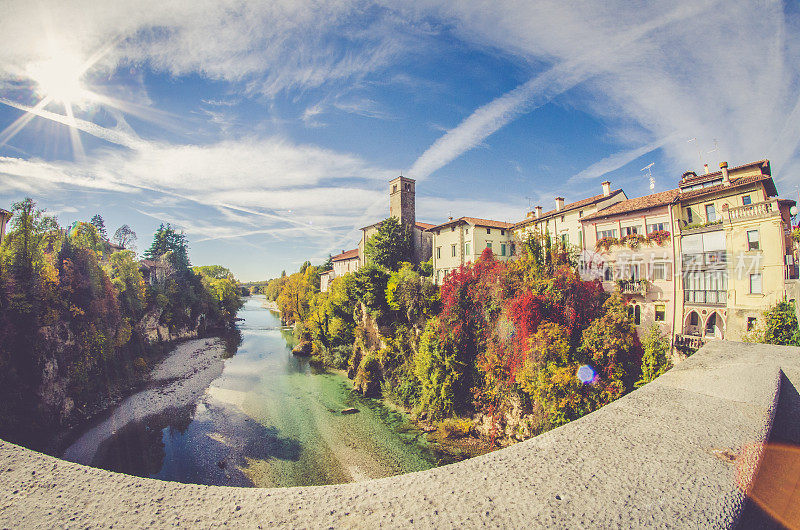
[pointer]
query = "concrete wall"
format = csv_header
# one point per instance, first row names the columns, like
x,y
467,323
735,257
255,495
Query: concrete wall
x,y
658,457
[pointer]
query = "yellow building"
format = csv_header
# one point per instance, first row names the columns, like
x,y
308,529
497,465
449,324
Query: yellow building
x,y
630,248
563,223
460,241
5,216
737,257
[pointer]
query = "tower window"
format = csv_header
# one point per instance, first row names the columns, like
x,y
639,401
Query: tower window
x,y
488,230
394,188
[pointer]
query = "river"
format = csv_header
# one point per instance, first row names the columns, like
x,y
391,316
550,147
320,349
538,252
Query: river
x,y
269,420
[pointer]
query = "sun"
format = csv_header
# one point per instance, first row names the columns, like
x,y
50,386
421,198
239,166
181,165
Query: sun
x,y
60,79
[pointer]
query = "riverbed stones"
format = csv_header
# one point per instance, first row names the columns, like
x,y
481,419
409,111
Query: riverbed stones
x,y
351,410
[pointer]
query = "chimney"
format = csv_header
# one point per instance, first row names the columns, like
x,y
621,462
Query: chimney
x,y
705,166
559,203
726,179
450,218
606,188
538,212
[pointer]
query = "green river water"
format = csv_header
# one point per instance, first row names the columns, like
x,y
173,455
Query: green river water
x,y
271,420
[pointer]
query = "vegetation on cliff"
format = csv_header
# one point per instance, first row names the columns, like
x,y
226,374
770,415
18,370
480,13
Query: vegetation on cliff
x,y
518,347
78,320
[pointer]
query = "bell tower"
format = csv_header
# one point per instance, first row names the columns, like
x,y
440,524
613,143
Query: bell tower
x,y
402,202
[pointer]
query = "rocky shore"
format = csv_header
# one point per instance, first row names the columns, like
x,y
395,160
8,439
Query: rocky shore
x,y
178,380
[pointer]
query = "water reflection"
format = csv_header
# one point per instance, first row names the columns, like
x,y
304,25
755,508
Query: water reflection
x,y
269,420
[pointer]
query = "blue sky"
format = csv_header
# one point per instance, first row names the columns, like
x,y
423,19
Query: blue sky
x,y
268,131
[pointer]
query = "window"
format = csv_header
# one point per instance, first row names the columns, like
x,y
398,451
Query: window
x,y
453,228
394,188
752,240
453,250
659,271
502,232
606,233
502,249
466,249
689,216
438,252
408,187
755,284
635,314
661,312
488,244
630,230
608,273
751,323
694,318
562,218
711,214
513,249
467,231
565,239
488,230
747,201
656,227
580,214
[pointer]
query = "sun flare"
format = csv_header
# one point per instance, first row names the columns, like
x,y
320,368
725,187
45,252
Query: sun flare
x,y
60,78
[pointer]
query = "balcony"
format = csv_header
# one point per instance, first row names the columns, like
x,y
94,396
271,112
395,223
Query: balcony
x,y
632,287
705,296
717,259
752,211
689,342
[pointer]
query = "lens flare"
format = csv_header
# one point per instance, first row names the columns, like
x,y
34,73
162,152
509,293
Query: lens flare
x,y
586,374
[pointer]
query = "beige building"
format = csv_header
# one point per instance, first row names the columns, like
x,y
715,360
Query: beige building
x,y
402,205
5,216
343,263
629,247
563,223
725,238
460,241
737,256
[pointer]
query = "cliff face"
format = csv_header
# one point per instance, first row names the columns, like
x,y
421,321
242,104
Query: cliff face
x,y
70,389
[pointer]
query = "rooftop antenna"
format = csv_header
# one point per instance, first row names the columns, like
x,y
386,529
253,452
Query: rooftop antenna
x,y
699,151
650,174
530,203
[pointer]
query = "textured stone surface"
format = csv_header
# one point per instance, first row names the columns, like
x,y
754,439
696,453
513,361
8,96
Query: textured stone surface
x,y
653,458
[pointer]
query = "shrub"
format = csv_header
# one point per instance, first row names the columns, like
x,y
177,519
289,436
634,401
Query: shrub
x,y
781,326
654,360
454,428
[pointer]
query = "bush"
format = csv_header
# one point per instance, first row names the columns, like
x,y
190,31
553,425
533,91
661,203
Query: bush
x,y
781,325
454,428
654,360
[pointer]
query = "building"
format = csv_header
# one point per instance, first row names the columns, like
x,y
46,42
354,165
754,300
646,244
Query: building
x,y
5,216
402,205
737,256
564,221
630,248
704,260
154,272
460,241
343,263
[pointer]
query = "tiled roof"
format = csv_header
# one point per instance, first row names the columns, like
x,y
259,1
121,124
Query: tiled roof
x,y
151,264
347,254
639,203
4,212
765,167
735,182
424,226
475,221
568,207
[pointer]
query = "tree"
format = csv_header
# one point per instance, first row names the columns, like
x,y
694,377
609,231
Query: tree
x,y
391,245
781,325
169,244
328,265
654,360
124,236
100,225
128,281
86,235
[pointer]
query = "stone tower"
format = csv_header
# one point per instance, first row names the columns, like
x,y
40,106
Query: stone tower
x,y
402,200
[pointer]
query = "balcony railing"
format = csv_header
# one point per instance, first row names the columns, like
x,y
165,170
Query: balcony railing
x,y
717,259
632,286
689,341
703,296
752,211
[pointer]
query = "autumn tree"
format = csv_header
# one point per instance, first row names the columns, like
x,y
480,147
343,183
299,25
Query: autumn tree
x,y
655,360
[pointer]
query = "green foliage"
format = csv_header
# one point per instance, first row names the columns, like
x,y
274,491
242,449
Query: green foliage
x,y
391,245
295,298
100,226
123,269
414,295
426,268
369,375
781,325
169,244
223,287
655,360
369,287
86,235
441,372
